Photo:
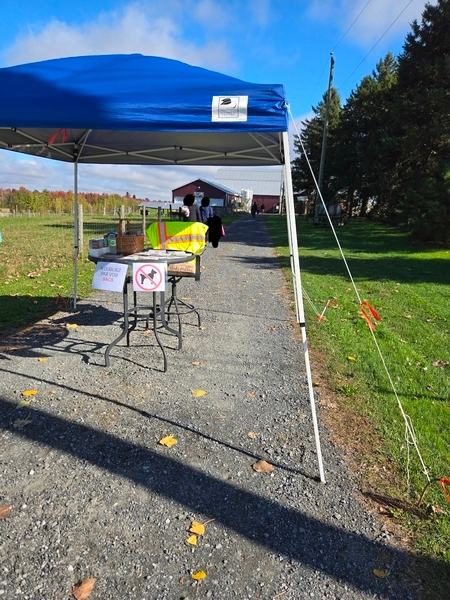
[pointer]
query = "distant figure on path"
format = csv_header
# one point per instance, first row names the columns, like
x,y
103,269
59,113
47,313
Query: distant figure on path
x,y
254,209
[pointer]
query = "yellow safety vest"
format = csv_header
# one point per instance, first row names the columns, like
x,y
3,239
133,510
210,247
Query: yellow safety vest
x,y
186,236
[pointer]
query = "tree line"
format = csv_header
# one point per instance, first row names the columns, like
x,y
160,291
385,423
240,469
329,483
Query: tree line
x,y
59,202
388,146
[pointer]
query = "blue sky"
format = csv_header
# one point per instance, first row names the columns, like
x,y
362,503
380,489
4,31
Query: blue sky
x,y
261,41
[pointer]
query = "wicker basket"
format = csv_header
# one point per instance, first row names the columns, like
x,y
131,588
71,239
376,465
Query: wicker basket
x,y
127,242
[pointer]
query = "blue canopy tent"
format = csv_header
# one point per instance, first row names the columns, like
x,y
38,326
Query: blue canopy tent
x,y
144,110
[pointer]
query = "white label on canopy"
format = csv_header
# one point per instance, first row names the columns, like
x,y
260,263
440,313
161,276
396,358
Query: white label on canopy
x,y
229,108
149,277
109,276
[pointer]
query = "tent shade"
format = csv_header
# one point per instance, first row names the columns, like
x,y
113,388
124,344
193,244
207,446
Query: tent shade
x,y
134,109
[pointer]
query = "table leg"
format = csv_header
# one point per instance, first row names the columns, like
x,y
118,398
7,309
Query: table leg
x,y
125,323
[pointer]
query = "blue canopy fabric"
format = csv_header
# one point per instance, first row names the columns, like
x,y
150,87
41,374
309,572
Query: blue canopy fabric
x,y
134,109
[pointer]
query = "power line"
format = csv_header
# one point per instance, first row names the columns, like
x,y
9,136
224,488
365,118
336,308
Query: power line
x,y
376,43
361,12
324,67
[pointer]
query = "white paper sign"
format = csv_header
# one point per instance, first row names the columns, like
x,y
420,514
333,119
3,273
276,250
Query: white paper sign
x,y
109,276
149,277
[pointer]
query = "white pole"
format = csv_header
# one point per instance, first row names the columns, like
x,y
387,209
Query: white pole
x,y
76,236
295,263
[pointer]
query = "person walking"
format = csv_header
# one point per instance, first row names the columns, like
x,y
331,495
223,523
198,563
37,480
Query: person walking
x,y
254,209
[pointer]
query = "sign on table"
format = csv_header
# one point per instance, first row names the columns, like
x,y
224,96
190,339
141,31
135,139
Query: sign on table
x,y
149,277
109,276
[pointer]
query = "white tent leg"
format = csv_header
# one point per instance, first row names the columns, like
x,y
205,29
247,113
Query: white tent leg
x,y
76,235
295,264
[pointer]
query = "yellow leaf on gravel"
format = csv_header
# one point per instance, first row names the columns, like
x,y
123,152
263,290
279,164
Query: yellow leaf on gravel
x,y
29,393
168,441
198,575
252,435
196,363
197,528
262,466
43,358
379,573
23,404
192,540
20,423
83,589
198,393
5,510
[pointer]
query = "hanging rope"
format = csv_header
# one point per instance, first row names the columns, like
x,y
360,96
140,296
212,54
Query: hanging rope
x,y
409,430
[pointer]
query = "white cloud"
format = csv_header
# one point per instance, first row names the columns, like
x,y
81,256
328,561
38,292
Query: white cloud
x,y
365,22
153,182
133,30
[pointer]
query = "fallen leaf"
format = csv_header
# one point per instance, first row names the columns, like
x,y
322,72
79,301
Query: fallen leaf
x,y
5,510
23,403
438,510
251,394
196,363
198,575
197,528
379,573
440,363
262,466
71,325
83,589
351,358
43,358
192,540
168,441
252,435
198,393
21,423
272,328
29,393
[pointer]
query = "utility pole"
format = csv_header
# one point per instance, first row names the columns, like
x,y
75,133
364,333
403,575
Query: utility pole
x,y
324,140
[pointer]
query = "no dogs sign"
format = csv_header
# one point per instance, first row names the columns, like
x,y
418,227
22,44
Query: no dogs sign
x,y
149,277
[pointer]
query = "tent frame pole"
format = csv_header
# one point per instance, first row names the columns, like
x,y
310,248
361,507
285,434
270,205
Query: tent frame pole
x,y
295,266
76,234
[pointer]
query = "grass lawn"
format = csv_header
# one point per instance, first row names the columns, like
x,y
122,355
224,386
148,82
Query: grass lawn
x,y
36,263
408,284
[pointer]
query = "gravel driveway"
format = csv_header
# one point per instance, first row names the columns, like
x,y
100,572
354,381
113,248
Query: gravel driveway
x,y
95,495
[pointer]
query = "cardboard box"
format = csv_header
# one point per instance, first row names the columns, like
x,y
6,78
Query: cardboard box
x,y
95,243
182,268
98,251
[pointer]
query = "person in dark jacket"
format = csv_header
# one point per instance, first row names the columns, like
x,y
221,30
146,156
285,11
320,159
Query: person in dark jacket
x,y
206,210
190,210
215,231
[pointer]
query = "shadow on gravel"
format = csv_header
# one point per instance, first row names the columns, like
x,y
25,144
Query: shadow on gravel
x,y
36,340
348,558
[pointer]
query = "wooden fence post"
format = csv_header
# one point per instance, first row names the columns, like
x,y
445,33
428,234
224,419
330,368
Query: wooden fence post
x,y
80,229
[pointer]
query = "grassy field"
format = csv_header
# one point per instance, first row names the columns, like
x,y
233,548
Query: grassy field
x,y
408,285
36,264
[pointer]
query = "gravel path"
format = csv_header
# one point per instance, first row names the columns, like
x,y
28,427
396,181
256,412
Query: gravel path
x,y
94,494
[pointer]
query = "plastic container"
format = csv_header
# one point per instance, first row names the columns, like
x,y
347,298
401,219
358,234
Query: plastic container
x,y
112,243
